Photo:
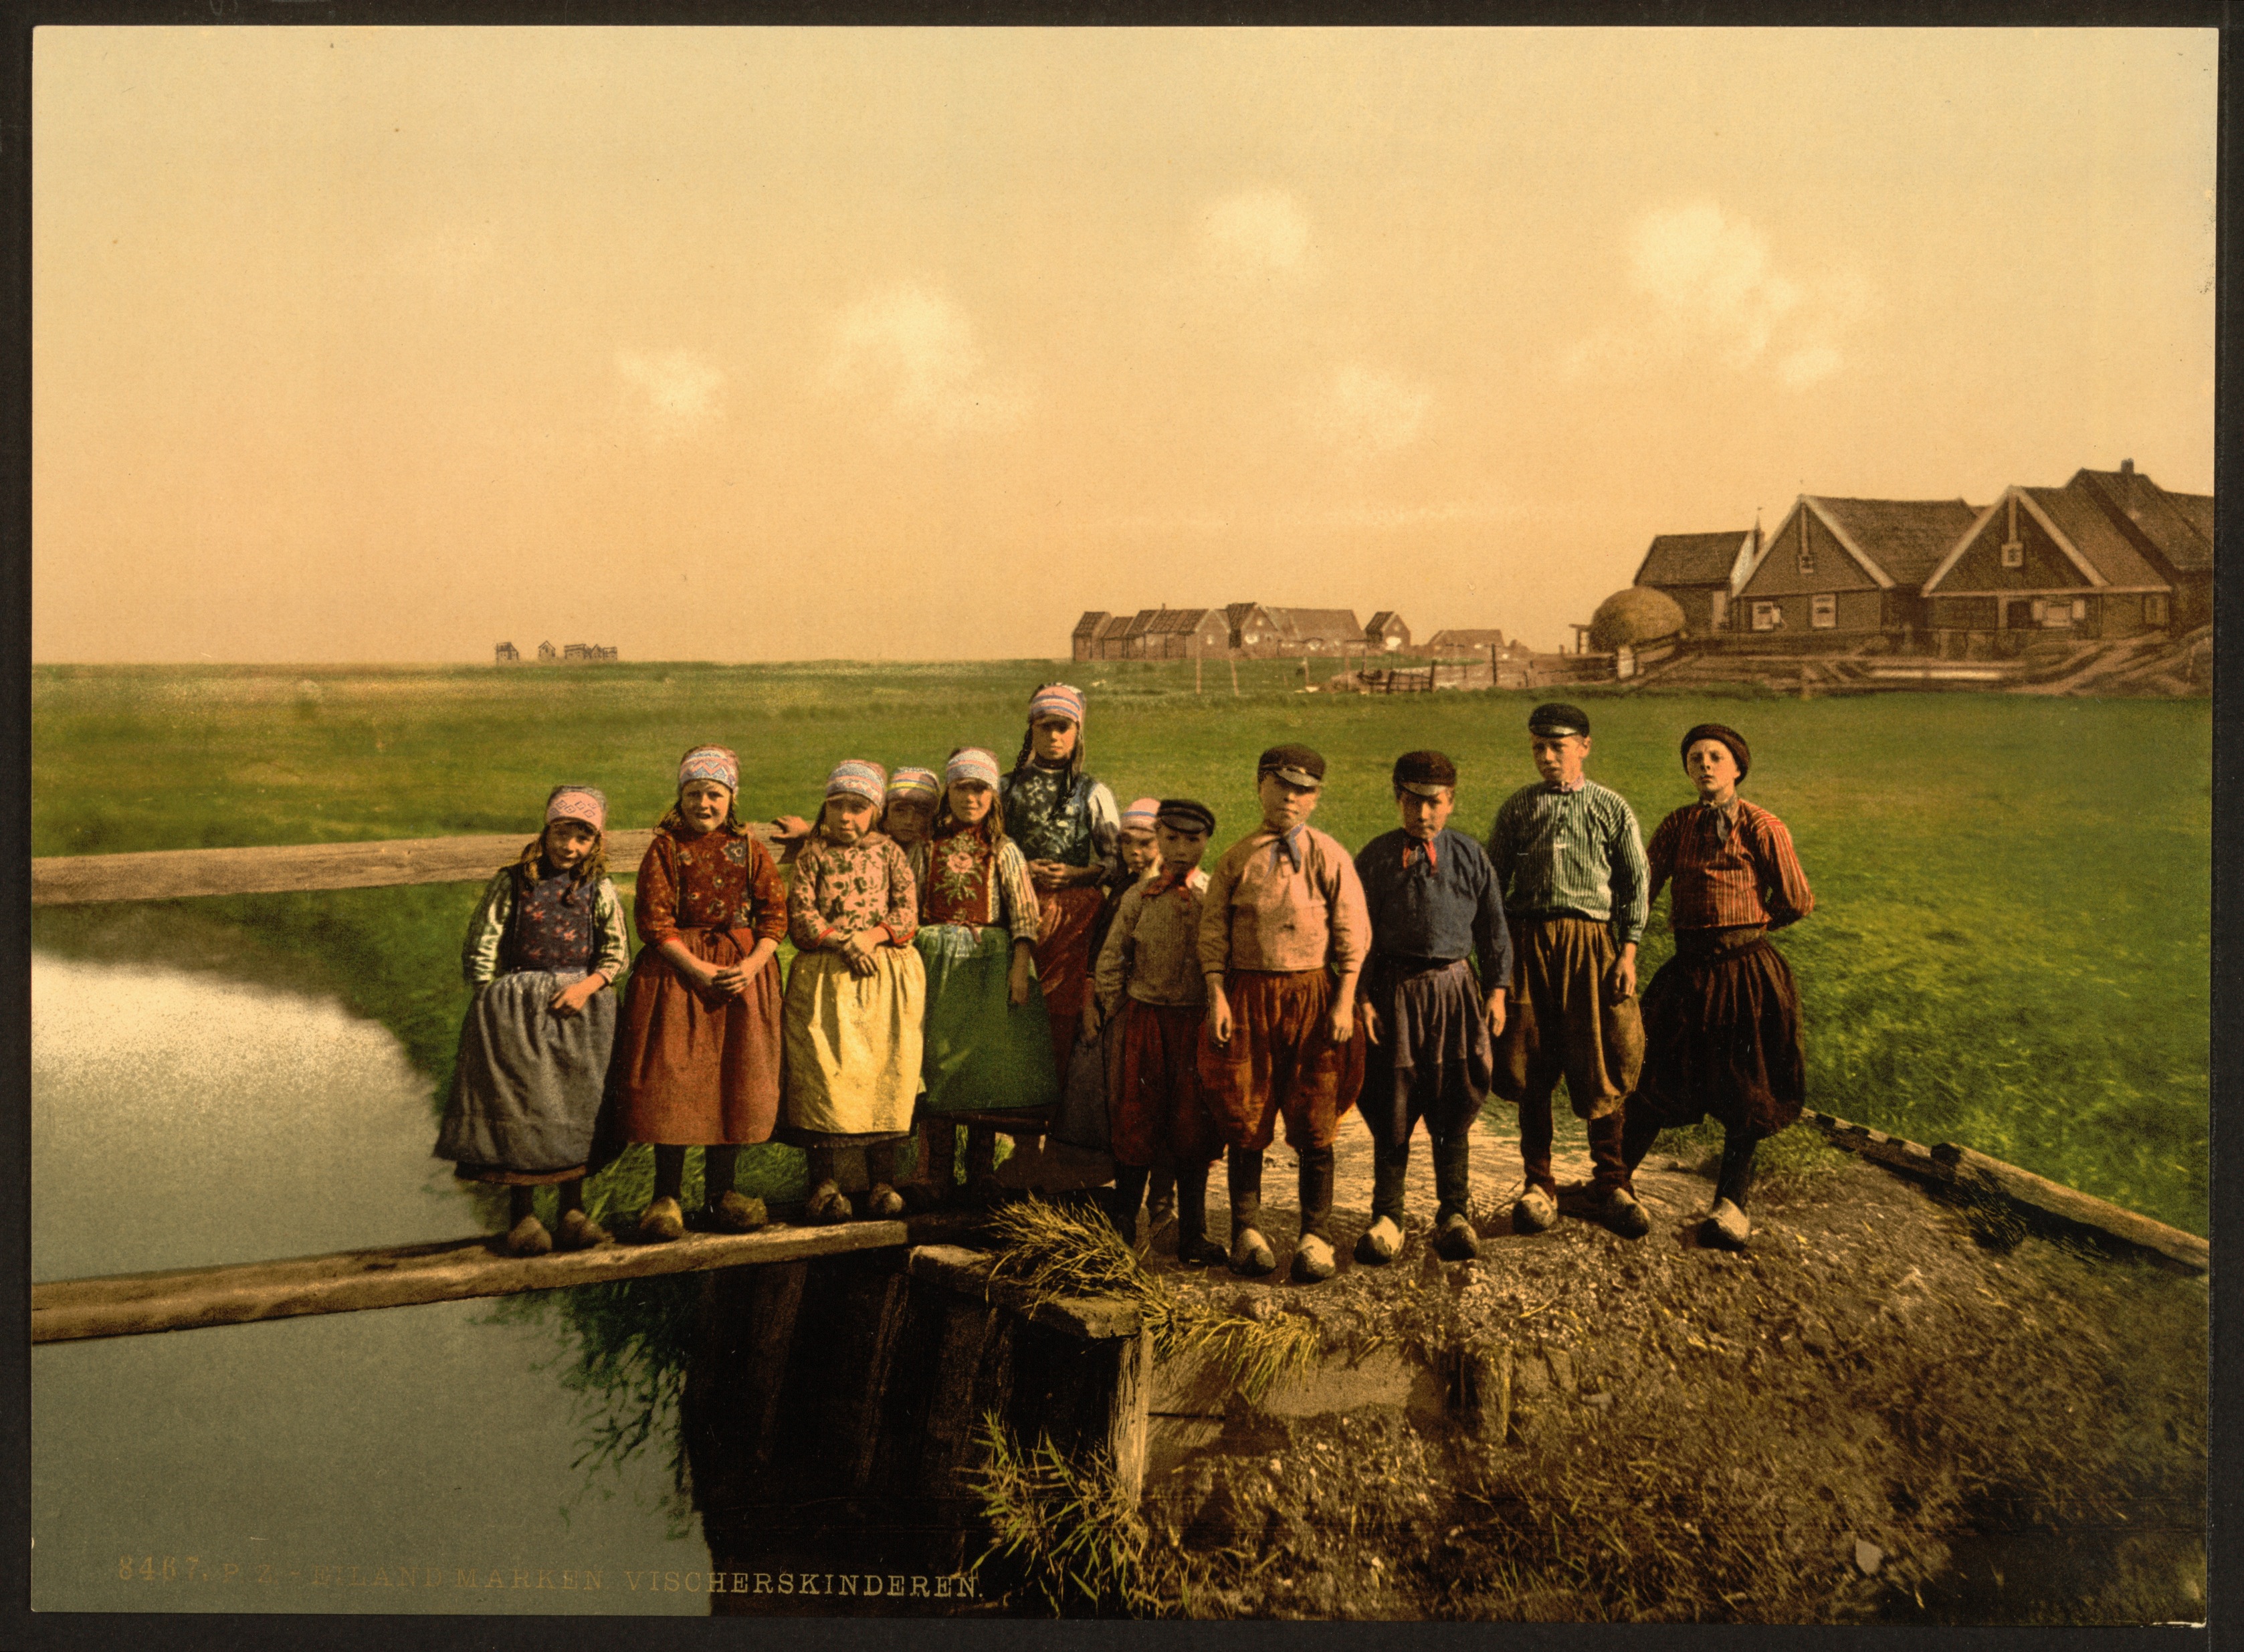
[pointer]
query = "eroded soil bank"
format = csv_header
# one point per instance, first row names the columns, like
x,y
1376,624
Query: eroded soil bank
x,y
1889,1408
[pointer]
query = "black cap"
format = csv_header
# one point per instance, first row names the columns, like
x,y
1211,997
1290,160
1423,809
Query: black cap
x,y
1186,814
1557,717
1427,773
1295,765
1728,736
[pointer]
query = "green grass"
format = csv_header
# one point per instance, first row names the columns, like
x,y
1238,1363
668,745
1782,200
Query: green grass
x,y
2010,950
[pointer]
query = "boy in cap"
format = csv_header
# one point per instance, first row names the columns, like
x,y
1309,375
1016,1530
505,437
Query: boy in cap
x,y
1721,1019
1433,900
1149,975
1570,858
1282,934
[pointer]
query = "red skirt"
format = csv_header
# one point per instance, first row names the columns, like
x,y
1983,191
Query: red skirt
x,y
1063,961
1157,1115
693,1069
1281,1061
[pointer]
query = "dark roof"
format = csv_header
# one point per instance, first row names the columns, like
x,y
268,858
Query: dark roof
x,y
2095,536
1907,537
1176,621
1692,559
1236,612
1378,621
1465,639
1330,624
1088,626
2177,525
1115,625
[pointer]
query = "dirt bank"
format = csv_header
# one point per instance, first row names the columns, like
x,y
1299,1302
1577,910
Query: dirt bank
x,y
1889,1408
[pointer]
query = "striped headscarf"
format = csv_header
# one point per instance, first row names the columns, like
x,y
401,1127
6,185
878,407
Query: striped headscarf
x,y
856,778
1057,700
914,782
1138,817
711,763
971,762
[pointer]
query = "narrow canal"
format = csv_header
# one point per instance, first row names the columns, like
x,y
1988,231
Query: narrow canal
x,y
413,1460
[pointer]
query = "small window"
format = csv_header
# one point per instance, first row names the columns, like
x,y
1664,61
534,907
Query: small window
x,y
1721,610
2154,609
2014,554
1768,616
2080,607
1824,611
1807,554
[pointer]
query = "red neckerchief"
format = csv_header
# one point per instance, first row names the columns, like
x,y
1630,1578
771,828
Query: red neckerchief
x,y
1163,882
1412,846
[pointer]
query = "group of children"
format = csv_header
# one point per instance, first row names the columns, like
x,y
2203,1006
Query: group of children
x,y
958,934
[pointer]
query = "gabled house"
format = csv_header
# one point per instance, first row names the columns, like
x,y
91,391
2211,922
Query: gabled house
x,y
1385,632
1851,568
2045,560
506,654
1083,639
1179,633
1113,639
2173,530
1700,572
1253,632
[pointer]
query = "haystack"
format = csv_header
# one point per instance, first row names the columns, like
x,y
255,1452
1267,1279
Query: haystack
x,y
1634,617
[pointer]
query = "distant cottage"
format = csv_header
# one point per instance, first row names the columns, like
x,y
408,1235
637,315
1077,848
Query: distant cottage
x,y
1698,571
507,653
1385,632
1853,566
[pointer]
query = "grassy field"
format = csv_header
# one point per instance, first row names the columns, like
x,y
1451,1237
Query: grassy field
x,y
2011,945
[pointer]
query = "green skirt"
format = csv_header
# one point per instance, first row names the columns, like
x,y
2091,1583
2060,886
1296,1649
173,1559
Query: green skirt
x,y
983,1054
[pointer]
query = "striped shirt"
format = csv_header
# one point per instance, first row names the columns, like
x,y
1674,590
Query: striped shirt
x,y
1570,853
1751,877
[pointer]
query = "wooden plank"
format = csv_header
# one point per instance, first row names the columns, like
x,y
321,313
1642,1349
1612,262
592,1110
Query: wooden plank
x,y
1128,1421
62,880
1954,1164
2077,1209
450,1270
1091,1318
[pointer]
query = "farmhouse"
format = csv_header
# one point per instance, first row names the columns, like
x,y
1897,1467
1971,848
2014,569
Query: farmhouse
x,y
2173,531
2046,559
506,653
1849,568
1465,641
1179,634
1700,572
1316,630
1385,632
1083,641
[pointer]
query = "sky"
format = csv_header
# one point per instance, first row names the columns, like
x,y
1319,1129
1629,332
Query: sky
x,y
386,345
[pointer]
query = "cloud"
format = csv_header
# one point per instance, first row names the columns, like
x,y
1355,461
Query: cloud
x,y
914,352
1257,233
1708,283
1363,412
675,391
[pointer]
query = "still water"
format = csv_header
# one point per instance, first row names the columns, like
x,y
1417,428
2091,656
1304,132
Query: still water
x,y
407,1460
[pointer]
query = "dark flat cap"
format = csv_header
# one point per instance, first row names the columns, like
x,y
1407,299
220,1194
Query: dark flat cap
x,y
1295,765
1186,814
1728,736
1427,773
1557,717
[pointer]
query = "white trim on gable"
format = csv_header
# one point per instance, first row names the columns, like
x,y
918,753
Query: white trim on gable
x,y
2072,551
1956,551
1847,542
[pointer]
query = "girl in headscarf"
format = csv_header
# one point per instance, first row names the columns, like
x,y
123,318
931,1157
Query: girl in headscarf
x,y
700,1063
546,940
989,1041
856,997
1068,827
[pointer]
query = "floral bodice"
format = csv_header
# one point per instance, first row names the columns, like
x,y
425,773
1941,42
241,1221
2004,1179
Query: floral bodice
x,y
962,880
720,880
842,889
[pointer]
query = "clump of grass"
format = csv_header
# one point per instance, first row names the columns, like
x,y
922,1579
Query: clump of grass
x,y
1795,1164
1069,1534
1059,1251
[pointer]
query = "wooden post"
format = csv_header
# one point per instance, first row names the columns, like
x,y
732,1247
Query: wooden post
x,y
1305,664
1196,659
1234,676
